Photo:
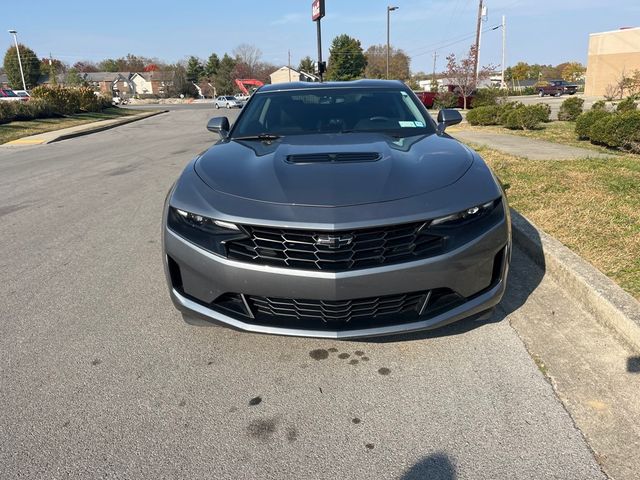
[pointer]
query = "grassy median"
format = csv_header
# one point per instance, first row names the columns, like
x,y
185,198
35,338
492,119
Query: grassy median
x,y
14,130
556,132
592,206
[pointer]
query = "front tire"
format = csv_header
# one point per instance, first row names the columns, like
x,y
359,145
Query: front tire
x,y
540,93
217,106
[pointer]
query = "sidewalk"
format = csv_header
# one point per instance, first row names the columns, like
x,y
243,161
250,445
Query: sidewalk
x,y
530,148
63,134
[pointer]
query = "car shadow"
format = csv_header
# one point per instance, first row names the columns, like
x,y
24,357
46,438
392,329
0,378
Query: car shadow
x,y
433,467
525,274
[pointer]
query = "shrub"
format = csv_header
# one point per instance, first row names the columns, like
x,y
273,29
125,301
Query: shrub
x,y
600,132
7,111
620,131
506,109
487,96
570,109
526,117
542,110
41,108
627,105
63,100
599,105
585,121
487,115
446,100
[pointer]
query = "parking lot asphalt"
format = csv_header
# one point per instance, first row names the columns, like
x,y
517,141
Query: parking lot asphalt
x,y
100,377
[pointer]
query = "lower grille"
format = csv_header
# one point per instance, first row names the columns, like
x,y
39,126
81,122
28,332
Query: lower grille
x,y
336,311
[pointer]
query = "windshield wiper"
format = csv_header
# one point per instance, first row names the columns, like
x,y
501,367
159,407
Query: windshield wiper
x,y
261,136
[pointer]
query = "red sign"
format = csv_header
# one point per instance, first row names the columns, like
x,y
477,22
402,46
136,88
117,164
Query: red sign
x,y
317,10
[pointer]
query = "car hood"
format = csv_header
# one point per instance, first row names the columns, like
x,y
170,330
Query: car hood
x,y
263,171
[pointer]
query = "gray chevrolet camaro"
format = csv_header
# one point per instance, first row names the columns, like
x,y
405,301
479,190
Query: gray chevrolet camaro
x,y
336,210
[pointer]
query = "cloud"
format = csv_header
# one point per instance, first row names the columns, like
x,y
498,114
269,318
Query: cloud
x,y
288,18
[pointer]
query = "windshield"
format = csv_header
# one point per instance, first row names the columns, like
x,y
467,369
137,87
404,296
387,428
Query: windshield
x,y
9,93
333,110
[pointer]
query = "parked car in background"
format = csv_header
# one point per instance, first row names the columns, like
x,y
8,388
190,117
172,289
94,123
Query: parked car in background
x,y
22,93
228,101
556,88
8,95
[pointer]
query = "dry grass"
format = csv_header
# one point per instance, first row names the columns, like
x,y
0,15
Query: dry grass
x,y
592,206
14,130
557,132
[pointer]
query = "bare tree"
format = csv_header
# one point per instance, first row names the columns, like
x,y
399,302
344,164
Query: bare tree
x,y
249,55
461,73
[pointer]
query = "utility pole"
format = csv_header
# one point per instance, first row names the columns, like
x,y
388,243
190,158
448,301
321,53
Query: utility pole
x,y
433,78
15,39
389,10
478,29
289,64
52,71
504,50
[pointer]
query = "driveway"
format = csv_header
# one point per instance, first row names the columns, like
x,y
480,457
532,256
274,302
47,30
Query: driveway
x,y
101,378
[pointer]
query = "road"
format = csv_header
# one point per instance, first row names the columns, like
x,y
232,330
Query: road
x,y
554,102
100,378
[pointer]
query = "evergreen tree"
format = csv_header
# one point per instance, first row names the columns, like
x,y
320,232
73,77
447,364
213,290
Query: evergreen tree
x,y
212,66
195,70
346,59
306,65
225,80
30,67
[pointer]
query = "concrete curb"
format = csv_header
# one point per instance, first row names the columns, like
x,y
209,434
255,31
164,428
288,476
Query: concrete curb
x,y
100,128
606,301
77,131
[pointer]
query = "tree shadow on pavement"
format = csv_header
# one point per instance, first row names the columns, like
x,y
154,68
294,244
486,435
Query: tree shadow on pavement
x,y
434,467
525,274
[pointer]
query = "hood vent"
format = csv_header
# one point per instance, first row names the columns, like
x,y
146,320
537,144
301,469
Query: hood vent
x,y
348,157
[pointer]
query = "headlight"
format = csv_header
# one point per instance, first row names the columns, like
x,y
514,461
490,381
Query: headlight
x,y
468,215
205,232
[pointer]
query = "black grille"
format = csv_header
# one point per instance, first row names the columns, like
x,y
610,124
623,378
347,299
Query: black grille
x,y
335,251
337,311
334,157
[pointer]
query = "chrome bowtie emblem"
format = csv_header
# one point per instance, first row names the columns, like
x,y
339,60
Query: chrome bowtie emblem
x,y
334,241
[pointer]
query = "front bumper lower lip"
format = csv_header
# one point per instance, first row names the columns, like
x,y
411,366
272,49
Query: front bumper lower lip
x,y
476,305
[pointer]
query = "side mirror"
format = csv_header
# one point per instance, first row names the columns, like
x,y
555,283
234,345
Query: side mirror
x,y
446,118
219,125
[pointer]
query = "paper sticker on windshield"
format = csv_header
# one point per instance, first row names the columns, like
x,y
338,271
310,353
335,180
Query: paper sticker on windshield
x,y
410,124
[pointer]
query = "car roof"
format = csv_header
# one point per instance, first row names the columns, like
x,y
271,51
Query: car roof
x,y
280,87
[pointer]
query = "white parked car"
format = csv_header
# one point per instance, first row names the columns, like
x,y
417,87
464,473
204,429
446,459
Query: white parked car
x,y
227,101
8,95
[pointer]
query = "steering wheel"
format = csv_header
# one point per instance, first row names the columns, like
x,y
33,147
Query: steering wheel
x,y
379,119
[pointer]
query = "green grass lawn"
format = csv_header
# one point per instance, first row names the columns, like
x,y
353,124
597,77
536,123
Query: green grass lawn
x,y
14,130
590,205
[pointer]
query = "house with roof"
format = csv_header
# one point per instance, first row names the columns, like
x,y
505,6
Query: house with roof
x,y
151,84
287,74
110,82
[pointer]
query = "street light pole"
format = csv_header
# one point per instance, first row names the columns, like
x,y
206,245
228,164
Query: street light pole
x,y
389,10
15,39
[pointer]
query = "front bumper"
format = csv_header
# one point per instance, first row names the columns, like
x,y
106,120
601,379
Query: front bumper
x,y
476,271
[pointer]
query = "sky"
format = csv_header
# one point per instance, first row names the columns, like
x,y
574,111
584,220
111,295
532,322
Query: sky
x,y
538,31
